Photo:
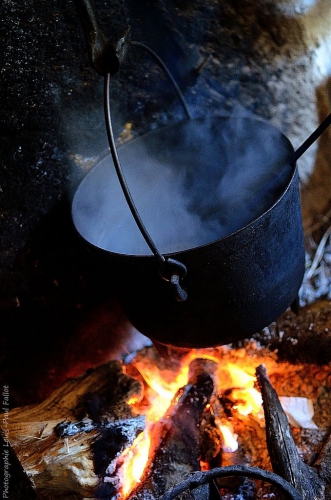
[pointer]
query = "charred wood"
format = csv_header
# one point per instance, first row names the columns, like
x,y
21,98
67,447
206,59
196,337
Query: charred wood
x,y
214,451
284,456
178,450
323,464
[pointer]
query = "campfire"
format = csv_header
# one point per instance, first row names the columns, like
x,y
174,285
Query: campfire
x,y
137,430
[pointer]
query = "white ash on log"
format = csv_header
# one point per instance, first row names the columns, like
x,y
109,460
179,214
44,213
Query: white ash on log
x,y
65,443
284,456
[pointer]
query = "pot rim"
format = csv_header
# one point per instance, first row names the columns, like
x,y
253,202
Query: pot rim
x,y
178,253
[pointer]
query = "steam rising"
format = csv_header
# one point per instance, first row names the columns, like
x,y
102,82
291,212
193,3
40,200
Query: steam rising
x,y
192,183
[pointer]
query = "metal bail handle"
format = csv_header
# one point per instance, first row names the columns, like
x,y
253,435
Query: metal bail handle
x,y
170,269
200,478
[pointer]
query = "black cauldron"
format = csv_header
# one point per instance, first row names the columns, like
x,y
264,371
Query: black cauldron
x,y
220,196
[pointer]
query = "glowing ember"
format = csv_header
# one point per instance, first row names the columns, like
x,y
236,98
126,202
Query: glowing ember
x,y
133,400
230,443
249,401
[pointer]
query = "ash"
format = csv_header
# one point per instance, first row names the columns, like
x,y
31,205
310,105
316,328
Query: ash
x,y
317,279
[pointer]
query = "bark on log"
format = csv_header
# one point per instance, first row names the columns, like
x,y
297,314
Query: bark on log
x,y
323,464
284,456
177,453
65,443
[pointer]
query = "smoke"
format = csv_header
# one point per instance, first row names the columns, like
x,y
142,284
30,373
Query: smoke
x,y
192,183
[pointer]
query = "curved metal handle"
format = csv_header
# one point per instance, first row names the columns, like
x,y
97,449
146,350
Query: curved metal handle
x,y
199,478
167,72
171,270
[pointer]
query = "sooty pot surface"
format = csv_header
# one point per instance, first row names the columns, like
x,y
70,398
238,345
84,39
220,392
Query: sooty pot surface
x,y
219,196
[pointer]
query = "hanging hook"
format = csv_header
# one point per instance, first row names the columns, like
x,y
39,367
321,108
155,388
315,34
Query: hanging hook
x,y
105,57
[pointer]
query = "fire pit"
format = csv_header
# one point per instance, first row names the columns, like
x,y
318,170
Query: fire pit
x,y
140,430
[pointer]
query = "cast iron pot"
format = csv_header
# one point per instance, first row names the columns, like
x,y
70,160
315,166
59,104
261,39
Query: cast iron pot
x,y
237,229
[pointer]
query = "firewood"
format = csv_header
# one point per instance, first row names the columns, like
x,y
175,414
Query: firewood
x,y
284,456
65,443
15,483
323,463
177,453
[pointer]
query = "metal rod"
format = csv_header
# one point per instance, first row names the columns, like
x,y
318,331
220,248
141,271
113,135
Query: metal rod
x,y
199,478
166,70
311,139
121,177
171,270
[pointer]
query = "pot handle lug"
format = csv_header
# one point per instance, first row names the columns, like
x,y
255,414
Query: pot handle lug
x,y
173,271
179,292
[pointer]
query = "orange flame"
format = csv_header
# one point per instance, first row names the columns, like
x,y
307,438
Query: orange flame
x,y
161,389
134,462
248,399
162,386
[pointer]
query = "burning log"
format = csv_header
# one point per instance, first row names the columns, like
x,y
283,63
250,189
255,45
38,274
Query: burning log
x,y
177,453
219,446
66,443
284,456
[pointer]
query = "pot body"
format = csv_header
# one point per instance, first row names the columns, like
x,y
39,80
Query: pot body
x,y
240,279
